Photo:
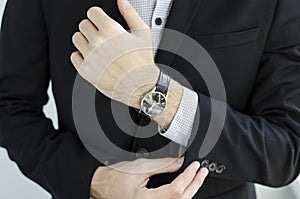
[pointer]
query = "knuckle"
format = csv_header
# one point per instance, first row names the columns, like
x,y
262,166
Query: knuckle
x,y
176,191
93,45
95,41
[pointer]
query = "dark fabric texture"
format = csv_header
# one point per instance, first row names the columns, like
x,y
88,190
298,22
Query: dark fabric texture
x,y
255,44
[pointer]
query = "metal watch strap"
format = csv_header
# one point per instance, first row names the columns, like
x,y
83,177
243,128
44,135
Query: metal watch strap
x,y
163,82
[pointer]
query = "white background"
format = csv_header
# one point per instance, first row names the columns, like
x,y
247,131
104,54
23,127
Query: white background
x,y
13,185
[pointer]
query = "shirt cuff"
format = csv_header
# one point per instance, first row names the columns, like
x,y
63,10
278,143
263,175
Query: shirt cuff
x,y
181,127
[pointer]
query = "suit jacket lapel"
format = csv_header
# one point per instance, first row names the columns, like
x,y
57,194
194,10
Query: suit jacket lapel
x,y
180,19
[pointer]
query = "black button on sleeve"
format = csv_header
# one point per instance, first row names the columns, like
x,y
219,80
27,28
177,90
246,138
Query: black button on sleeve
x,y
205,163
213,167
220,169
158,21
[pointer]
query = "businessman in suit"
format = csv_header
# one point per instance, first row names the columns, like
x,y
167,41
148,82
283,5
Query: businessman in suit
x,y
256,46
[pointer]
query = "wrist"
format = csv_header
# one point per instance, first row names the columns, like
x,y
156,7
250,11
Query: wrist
x,y
173,101
174,96
144,88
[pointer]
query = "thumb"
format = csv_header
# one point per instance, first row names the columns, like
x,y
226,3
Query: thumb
x,y
132,18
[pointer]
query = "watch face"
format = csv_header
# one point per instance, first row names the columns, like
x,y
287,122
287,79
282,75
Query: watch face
x,y
153,104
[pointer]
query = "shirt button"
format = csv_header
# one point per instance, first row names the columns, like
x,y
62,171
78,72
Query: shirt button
x,y
213,167
220,169
205,163
142,153
158,21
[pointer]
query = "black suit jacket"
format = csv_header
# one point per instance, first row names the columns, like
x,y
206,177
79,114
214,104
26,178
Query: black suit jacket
x,y
255,44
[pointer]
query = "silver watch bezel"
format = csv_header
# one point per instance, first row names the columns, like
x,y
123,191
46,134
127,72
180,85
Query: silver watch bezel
x,y
143,107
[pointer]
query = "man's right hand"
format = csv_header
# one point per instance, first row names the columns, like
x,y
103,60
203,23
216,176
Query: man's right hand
x,y
129,179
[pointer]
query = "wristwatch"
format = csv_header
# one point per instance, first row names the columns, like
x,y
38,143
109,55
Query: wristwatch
x,y
154,103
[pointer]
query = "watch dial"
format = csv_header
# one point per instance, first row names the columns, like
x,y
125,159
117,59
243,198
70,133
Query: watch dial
x,y
153,104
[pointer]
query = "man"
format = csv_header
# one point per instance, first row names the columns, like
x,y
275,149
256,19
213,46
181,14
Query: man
x,y
257,55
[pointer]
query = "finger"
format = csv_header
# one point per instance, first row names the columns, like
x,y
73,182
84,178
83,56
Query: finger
x,y
76,59
134,21
195,185
98,17
178,186
88,30
81,43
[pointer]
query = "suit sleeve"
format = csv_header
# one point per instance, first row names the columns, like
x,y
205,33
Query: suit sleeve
x,y
54,159
262,145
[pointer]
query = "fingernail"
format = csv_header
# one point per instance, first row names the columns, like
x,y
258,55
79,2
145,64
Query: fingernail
x,y
180,160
